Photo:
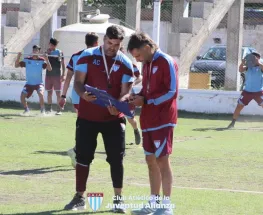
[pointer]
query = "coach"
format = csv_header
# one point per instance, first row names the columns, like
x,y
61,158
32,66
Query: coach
x,y
108,69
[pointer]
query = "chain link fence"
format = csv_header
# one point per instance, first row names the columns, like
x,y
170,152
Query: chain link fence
x,y
207,70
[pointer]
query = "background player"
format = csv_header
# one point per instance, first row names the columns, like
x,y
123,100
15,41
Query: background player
x,y
133,121
91,40
253,88
34,66
54,78
158,116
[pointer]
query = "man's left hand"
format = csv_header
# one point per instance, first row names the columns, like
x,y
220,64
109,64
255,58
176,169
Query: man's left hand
x,y
113,110
137,100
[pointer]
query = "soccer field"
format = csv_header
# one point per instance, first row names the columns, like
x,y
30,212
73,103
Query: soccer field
x,y
216,171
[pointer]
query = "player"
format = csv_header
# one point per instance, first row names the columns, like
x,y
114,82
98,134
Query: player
x,y
105,68
158,117
253,88
34,66
55,78
133,120
91,40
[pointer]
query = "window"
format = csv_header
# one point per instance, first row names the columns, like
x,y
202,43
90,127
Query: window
x,y
63,22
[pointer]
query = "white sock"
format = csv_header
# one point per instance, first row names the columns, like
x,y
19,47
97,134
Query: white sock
x,y
153,199
166,200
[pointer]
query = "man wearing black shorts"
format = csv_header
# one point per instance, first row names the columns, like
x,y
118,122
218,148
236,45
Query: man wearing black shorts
x,y
108,69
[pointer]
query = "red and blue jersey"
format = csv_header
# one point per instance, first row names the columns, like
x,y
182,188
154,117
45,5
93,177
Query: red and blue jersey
x,y
136,71
160,88
91,62
34,68
71,66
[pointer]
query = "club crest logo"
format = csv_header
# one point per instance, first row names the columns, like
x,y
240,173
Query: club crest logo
x,y
95,200
157,143
155,68
116,68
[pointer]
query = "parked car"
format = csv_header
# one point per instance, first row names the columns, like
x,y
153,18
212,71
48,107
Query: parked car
x,y
214,60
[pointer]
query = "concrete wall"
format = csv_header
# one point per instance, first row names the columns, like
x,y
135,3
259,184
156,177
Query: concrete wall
x,y
199,101
252,37
165,28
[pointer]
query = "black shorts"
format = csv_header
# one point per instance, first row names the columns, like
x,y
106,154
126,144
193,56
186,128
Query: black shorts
x,y
113,134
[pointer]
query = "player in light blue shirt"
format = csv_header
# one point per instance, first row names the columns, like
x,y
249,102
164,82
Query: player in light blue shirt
x,y
253,88
34,66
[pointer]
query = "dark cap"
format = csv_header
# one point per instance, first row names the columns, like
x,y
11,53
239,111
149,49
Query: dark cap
x,y
36,47
256,54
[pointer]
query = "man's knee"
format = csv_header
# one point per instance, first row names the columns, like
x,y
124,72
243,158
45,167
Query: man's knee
x,y
116,159
84,159
151,161
40,94
163,161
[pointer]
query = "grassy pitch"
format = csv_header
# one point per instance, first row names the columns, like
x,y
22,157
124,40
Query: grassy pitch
x,y
216,171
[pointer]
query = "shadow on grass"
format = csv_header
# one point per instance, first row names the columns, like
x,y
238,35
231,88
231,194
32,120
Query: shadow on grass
x,y
38,171
211,129
51,153
225,117
59,211
12,116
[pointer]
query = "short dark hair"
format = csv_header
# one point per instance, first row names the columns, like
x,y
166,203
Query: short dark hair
x,y
140,39
115,32
122,49
53,41
91,38
36,47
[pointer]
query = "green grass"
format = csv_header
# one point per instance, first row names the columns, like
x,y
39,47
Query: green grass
x,y
36,176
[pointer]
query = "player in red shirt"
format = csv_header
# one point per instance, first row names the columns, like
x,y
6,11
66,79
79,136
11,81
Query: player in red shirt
x,y
158,116
133,121
105,68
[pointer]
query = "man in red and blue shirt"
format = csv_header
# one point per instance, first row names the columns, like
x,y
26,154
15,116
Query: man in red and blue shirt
x,y
105,68
132,120
34,67
158,117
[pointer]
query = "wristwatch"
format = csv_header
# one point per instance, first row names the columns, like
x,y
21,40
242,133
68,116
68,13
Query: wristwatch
x,y
63,97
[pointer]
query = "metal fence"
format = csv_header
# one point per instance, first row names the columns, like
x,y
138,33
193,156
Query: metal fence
x,y
207,70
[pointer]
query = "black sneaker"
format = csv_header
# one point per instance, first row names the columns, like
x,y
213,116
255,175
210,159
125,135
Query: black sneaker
x,y
49,109
232,124
119,206
137,136
58,111
77,203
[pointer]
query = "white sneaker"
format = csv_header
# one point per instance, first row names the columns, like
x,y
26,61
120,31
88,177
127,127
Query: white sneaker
x,y
146,210
71,153
164,211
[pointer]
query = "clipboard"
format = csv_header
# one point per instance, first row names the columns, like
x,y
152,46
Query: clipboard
x,y
104,100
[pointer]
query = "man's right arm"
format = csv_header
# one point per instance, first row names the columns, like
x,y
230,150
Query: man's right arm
x,y
242,66
79,83
81,70
17,63
69,76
